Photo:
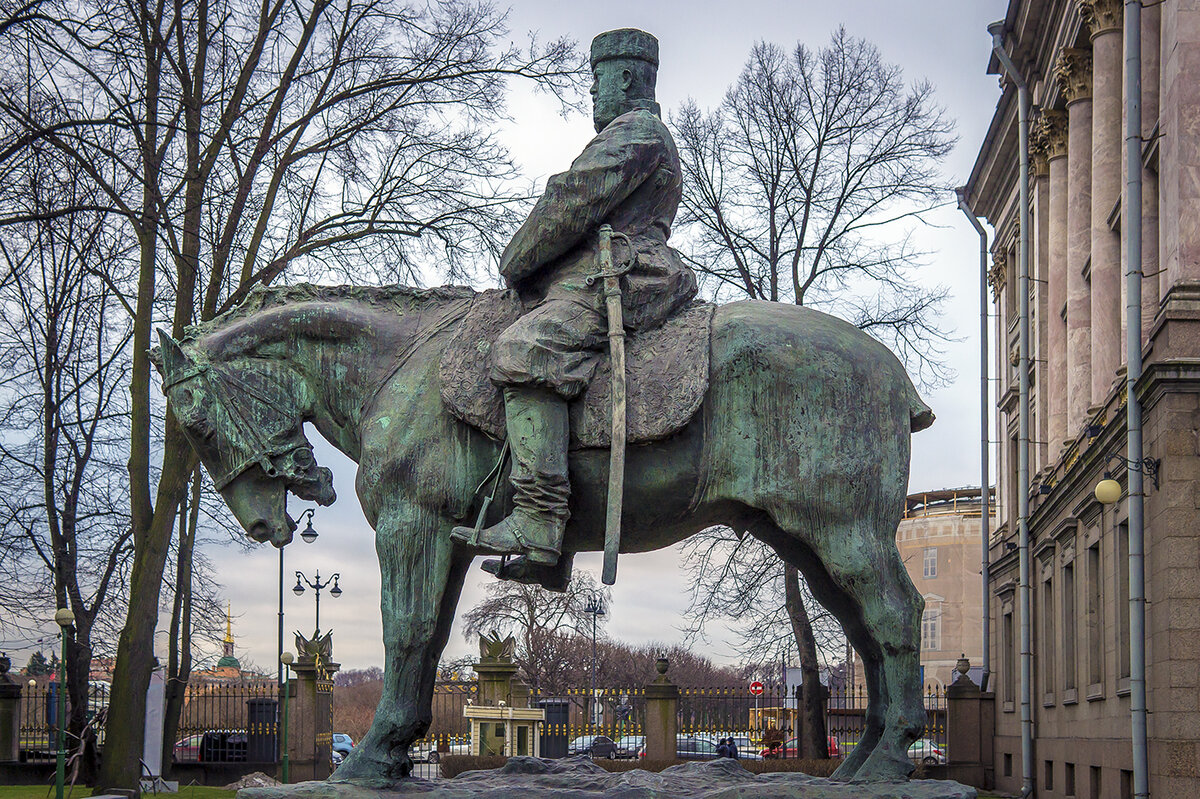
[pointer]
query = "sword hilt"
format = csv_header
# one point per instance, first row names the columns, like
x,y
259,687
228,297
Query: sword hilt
x,y
607,270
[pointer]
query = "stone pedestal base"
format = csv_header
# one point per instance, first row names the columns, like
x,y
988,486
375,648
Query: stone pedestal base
x,y
534,778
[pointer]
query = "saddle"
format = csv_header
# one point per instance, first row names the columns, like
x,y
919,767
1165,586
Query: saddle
x,y
666,375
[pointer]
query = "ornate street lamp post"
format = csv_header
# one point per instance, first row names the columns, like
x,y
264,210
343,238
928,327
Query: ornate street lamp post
x,y
317,585
594,608
309,535
65,619
286,660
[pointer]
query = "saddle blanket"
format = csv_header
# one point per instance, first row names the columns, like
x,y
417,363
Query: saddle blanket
x,y
666,375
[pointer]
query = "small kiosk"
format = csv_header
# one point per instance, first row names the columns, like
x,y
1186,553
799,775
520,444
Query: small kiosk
x,y
502,723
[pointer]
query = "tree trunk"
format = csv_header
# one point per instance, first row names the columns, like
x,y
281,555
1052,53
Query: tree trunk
x,y
179,657
812,736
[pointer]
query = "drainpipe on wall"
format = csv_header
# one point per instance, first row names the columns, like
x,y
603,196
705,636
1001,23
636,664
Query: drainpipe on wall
x,y
984,470
996,29
1132,225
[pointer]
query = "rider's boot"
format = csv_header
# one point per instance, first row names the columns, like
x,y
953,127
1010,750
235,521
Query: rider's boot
x,y
537,434
556,577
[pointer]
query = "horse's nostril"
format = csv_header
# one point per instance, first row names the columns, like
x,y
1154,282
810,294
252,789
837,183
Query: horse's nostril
x,y
259,531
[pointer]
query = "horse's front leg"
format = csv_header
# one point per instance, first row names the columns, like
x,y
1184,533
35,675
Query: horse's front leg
x,y
422,578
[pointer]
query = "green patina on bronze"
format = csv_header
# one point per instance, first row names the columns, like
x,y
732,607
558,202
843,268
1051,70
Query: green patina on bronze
x,y
802,439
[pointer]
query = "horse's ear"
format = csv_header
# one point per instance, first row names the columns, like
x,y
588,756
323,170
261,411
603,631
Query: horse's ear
x,y
170,358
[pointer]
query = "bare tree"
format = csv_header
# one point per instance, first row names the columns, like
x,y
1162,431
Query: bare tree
x,y
541,620
802,186
235,141
64,521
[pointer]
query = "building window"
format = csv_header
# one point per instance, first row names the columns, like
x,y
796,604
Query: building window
x,y
930,562
1008,649
1068,626
931,630
1047,653
1095,620
1069,780
1123,601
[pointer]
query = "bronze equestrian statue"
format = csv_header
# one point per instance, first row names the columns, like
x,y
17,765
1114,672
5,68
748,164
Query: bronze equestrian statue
x,y
799,434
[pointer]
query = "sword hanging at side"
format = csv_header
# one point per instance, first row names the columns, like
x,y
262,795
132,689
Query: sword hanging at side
x,y
616,347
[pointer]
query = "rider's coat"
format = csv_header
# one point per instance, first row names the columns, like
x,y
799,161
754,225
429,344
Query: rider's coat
x,y
628,176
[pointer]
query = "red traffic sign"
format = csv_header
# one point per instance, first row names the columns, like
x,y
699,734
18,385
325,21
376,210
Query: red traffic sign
x,y
756,688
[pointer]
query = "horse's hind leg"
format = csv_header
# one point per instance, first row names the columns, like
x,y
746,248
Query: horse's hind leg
x,y
874,598
422,578
847,611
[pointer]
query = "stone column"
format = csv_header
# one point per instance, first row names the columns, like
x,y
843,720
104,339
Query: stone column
x,y
1074,74
970,726
1054,132
1104,19
1039,168
1151,58
10,714
662,715
310,722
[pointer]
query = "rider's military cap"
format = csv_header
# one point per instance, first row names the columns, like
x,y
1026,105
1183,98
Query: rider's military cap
x,y
625,43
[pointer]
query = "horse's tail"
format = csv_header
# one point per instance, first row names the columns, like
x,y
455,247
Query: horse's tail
x,y
920,415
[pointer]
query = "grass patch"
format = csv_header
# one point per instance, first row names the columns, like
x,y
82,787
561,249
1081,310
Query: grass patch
x,y
83,791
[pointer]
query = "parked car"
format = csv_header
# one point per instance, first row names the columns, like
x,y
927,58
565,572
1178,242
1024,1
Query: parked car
x,y
594,745
629,746
424,751
926,751
791,748
694,747
342,743
187,750
336,757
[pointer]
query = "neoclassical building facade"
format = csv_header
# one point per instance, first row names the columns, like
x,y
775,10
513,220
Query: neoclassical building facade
x,y
1071,55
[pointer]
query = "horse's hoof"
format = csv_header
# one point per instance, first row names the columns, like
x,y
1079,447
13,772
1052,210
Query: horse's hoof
x,y
881,767
362,765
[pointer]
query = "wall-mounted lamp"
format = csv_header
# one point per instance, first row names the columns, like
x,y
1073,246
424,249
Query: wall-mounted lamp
x,y
1108,490
1094,430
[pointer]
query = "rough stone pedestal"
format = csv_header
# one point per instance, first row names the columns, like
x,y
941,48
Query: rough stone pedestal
x,y
580,778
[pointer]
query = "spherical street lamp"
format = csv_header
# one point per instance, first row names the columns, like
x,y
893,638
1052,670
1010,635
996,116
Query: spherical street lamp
x,y
65,619
287,658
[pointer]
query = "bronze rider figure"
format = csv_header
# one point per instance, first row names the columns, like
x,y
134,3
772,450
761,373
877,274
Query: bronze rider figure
x,y
629,177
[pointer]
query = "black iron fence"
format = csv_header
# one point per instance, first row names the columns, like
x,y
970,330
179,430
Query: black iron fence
x,y
38,724
219,722
764,723
229,723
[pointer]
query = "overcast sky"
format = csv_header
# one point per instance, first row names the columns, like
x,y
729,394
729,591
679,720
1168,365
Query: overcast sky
x,y
703,46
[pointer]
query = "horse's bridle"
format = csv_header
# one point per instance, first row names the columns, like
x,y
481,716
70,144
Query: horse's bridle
x,y
262,449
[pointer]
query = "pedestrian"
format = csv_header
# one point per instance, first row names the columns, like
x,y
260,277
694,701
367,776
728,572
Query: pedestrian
x,y
723,748
732,747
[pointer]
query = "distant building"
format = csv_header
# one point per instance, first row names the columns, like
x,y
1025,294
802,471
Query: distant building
x,y
939,542
228,668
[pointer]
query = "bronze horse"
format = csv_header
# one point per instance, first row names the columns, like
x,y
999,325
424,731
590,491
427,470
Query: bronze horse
x,y
802,439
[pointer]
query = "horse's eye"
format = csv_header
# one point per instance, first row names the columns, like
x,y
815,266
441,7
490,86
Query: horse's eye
x,y
186,398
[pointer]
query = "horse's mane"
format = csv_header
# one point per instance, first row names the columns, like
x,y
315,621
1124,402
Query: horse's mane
x,y
259,298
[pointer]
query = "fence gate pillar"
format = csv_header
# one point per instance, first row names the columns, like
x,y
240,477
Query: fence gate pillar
x,y
310,718
10,713
970,725
662,715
